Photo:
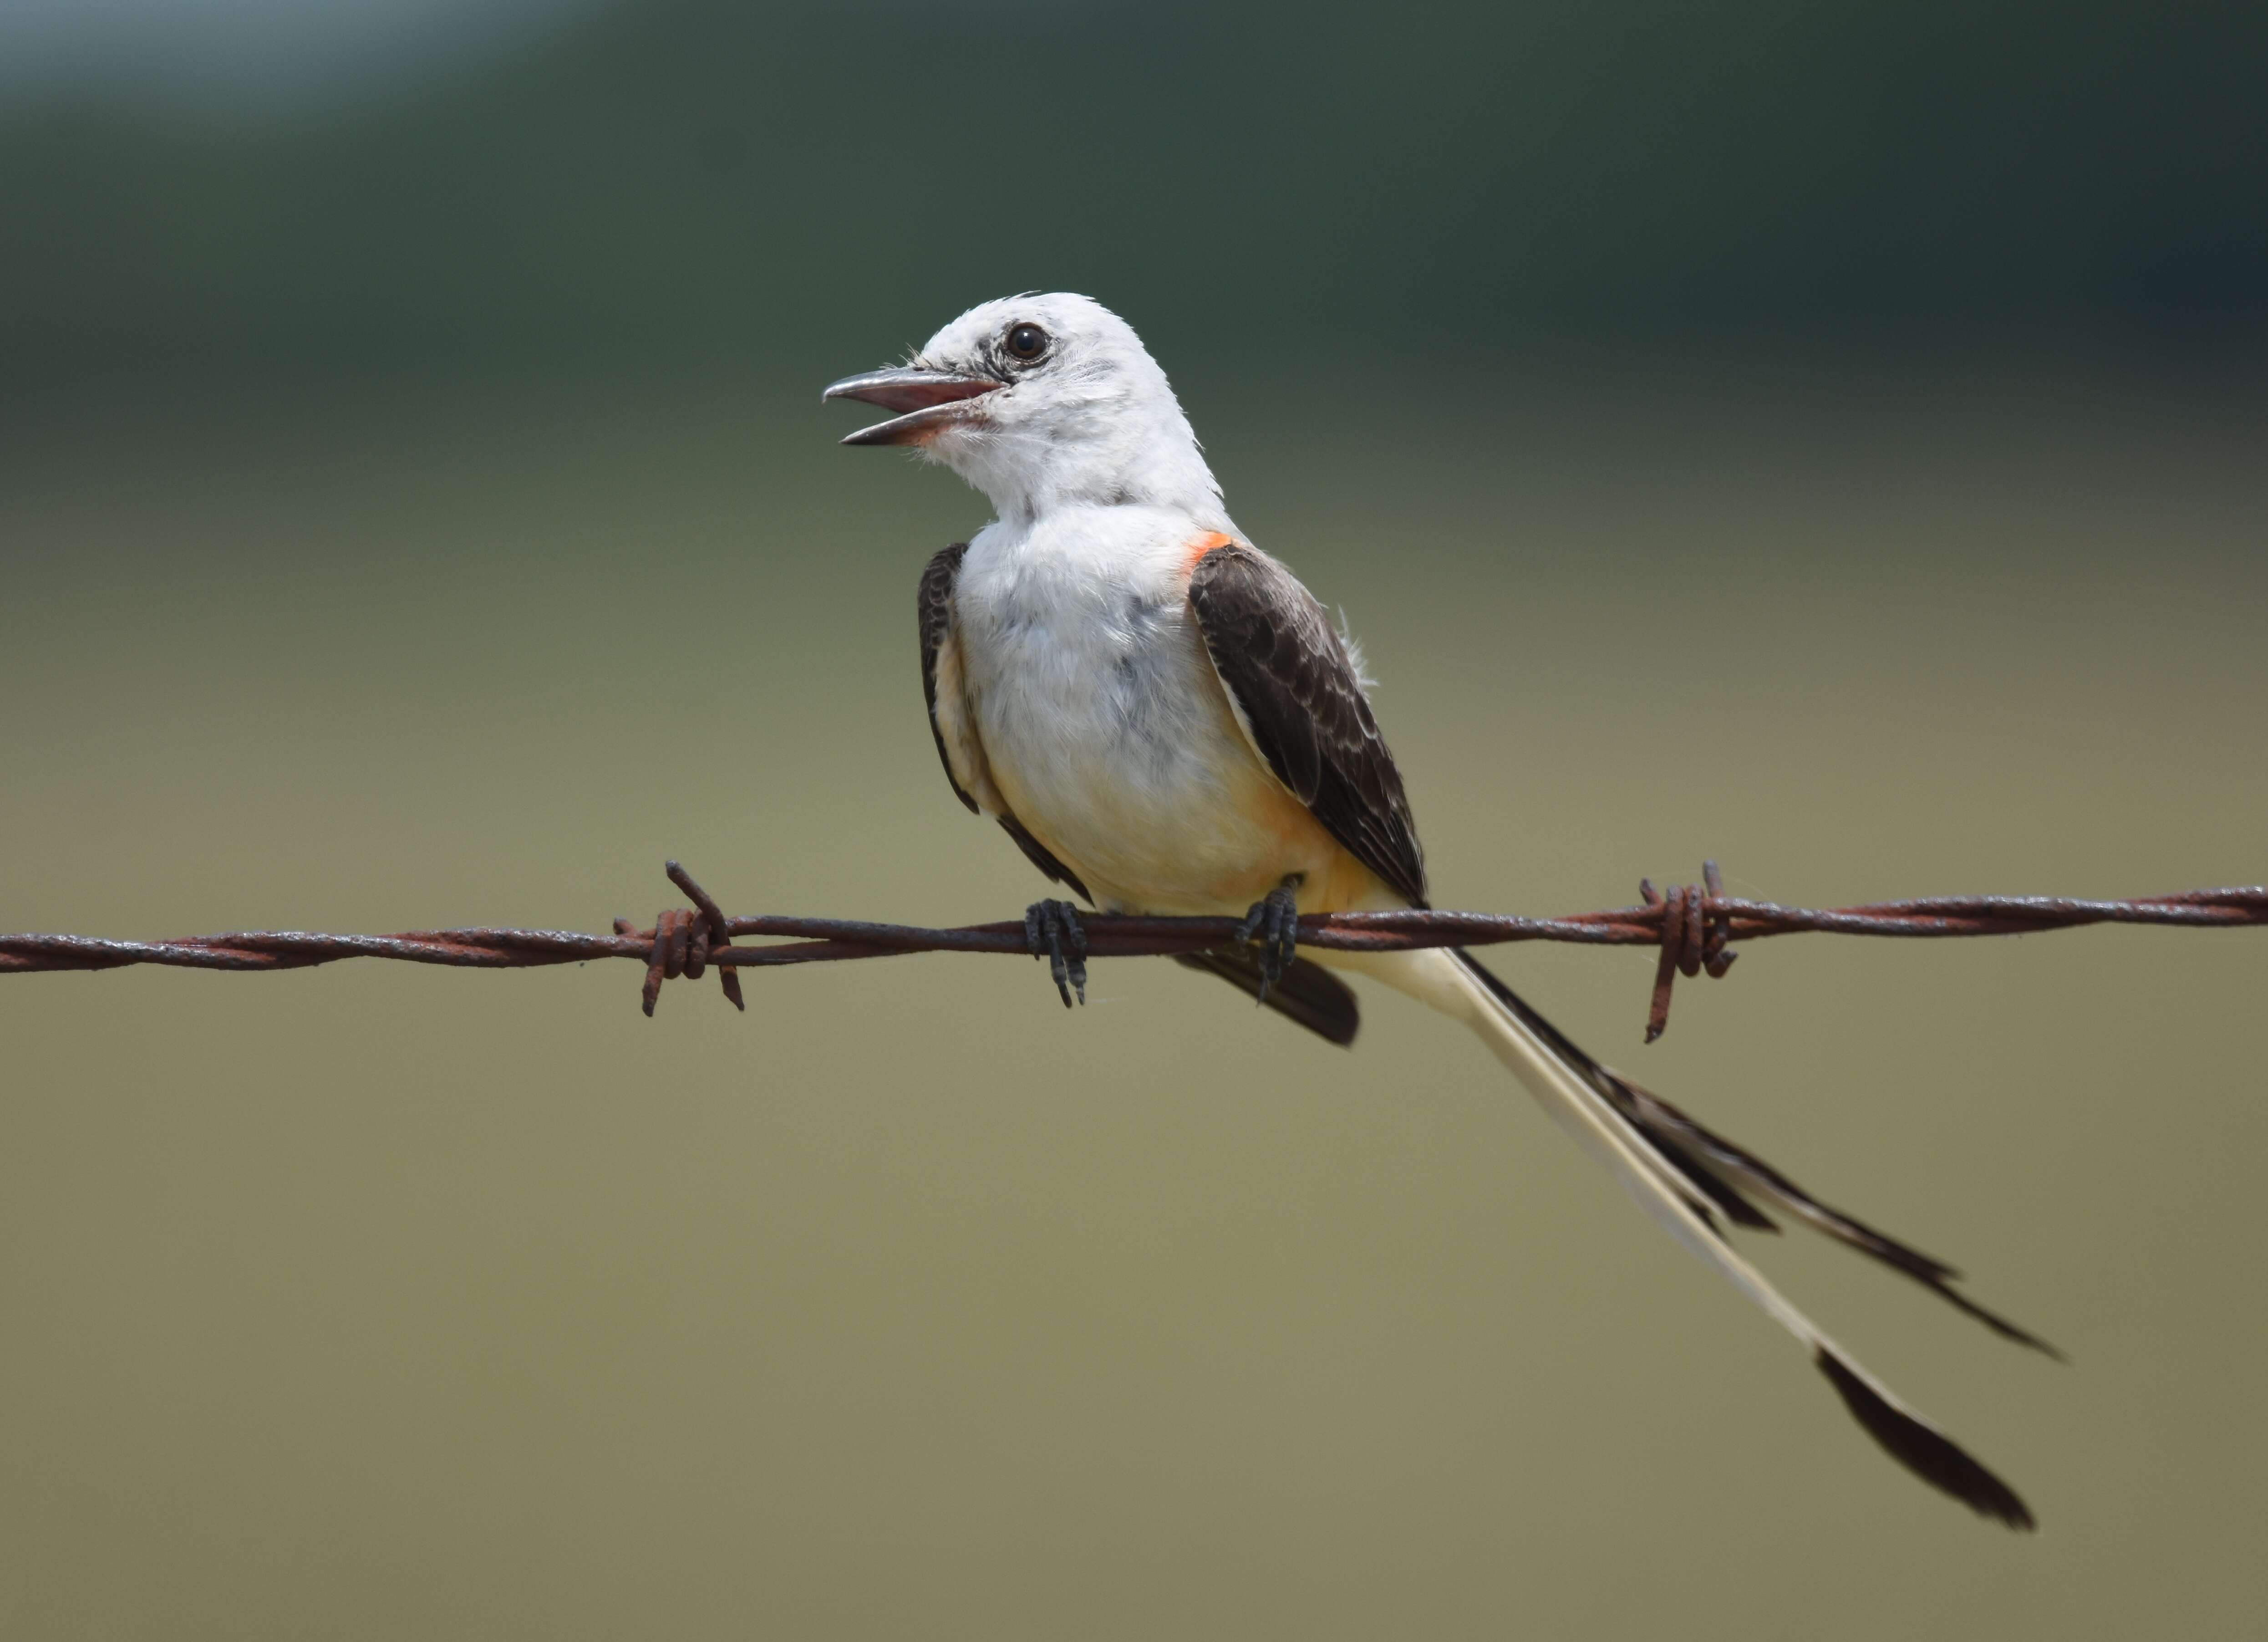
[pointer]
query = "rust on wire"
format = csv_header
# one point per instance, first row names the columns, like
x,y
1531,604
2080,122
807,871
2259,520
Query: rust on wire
x,y
682,942
1693,928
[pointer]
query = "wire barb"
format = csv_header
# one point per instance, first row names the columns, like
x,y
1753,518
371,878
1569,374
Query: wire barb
x,y
1692,929
681,942
1695,928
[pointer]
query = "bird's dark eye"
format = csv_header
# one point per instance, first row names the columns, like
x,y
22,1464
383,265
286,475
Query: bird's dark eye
x,y
1026,343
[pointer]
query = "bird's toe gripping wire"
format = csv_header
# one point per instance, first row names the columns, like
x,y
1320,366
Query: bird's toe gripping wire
x,y
683,938
1052,930
1694,931
1273,925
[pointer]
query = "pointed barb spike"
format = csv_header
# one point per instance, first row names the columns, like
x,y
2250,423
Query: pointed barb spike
x,y
1665,977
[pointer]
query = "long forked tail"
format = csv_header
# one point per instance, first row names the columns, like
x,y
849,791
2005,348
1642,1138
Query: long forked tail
x,y
1686,1178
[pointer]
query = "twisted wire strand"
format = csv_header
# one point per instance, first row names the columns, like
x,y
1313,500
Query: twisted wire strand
x,y
1692,926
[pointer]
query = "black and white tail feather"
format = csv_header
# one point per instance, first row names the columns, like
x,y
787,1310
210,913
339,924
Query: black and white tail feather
x,y
1685,1176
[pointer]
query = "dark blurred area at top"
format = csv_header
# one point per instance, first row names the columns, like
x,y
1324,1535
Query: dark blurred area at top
x,y
808,185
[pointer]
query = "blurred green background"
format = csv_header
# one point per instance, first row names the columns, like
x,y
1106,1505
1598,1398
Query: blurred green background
x,y
1827,438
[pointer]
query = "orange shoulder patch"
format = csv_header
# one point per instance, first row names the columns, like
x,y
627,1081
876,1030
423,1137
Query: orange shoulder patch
x,y
1201,546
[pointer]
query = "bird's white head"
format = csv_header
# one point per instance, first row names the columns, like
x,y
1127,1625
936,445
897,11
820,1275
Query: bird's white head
x,y
1043,401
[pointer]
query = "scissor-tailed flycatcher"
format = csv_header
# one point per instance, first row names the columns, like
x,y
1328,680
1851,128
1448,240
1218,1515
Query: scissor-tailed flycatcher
x,y
1165,720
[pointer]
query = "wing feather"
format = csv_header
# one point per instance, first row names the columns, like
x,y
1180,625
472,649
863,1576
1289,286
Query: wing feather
x,y
939,651
1301,701
1305,992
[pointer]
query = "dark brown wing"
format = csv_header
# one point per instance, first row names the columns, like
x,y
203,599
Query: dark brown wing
x,y
934,605
1305,991
1291,679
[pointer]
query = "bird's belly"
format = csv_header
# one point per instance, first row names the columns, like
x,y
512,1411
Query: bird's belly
x,y
1119,752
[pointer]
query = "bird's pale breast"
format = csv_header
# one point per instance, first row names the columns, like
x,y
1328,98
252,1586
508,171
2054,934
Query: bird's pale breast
x,y
1106,731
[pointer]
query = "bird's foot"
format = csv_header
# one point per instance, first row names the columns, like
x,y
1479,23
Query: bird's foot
x,y
1273,925
1052,930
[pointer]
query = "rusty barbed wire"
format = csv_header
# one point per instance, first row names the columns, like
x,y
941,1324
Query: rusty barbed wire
x,y
1693,927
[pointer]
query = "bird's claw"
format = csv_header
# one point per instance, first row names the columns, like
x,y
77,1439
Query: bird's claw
x,y
1052,930
1273,925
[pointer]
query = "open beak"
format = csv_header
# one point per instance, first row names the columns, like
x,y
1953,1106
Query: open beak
x,y
930,399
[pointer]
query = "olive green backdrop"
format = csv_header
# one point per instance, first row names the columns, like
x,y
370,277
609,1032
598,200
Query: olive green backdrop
x,y
415,509
1259,180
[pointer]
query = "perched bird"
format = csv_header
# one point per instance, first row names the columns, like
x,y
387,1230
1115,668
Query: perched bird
x,y
1166,721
